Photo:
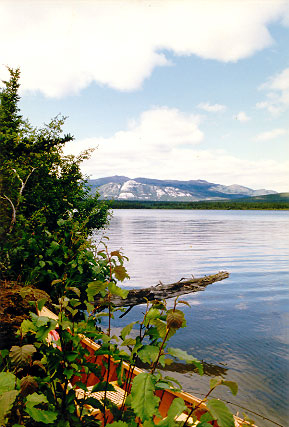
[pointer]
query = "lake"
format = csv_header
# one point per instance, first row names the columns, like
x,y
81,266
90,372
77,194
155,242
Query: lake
x,y
240,326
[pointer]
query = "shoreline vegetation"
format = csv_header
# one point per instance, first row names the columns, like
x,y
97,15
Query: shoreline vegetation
x,y
47,216
270,202
47,257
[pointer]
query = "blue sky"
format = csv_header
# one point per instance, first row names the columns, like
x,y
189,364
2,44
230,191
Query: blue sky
x,y
161,89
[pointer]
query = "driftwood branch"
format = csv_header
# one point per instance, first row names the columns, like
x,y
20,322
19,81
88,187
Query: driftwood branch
x,y
161,291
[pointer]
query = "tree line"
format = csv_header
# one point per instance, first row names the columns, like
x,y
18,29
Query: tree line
x,y
248,204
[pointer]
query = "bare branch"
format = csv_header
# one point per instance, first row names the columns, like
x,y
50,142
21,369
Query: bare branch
x,y
14,207
23,183
13,219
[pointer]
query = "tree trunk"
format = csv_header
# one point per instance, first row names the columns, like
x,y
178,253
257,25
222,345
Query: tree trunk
x,y
161,291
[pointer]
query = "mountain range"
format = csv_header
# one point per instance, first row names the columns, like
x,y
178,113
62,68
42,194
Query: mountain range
x,y
124,188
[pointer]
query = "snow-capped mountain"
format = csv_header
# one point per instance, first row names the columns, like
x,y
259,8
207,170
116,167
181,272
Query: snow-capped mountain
x,y
124,188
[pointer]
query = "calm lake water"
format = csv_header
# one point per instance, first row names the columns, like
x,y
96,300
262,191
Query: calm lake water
x,y
240,326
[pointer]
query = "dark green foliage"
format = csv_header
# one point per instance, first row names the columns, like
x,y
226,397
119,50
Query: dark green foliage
x,y
10,118
46,210
270,202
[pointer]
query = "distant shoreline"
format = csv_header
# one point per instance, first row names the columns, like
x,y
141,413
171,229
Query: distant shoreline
x,y
201,205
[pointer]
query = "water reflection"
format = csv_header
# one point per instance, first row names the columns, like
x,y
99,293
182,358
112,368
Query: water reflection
x,y
240,323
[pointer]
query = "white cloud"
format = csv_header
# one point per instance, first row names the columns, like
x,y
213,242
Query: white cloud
x,y
272,134
162,144
62,46
242,117
212,108
278,93
158,132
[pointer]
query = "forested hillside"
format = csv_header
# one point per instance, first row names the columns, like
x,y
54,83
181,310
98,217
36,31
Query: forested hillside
x,y
270,202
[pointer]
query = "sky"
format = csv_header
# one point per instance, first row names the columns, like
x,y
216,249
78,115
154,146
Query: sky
x,y
171,89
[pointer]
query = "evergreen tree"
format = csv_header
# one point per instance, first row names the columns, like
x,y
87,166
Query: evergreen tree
x,y
44,196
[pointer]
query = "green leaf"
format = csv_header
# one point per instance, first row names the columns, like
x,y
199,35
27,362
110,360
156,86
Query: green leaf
x,y
148,353
66,324
173,380
89,307
176,408
68,373
71,356
39,321
75,290
6,402
206,417
221,413
42,321
120,273
94,288
74,302
36,399
162,385
4,353
116,290
127,329
54,282
233,386
41,303
20,355
144,402
39,415
95,403
158,304
101,386
43,331
54,245
161,327
153,313
183,355
7,382
129,341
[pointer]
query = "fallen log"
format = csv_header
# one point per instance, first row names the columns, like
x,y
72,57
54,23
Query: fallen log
x,y
162,291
